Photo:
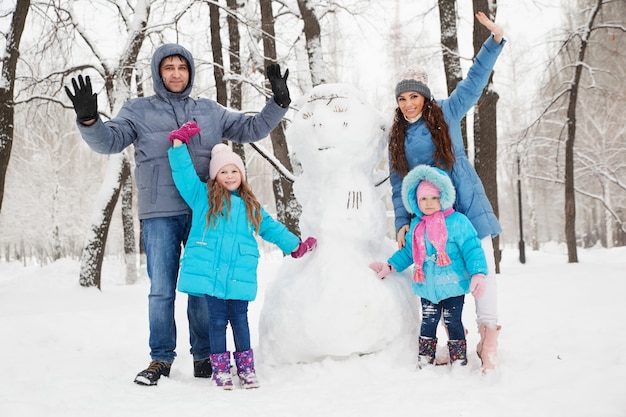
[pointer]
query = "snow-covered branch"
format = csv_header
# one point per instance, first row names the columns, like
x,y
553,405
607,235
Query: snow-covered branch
x,y
269,157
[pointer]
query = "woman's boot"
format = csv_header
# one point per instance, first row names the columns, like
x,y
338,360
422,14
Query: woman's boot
x,y
487,348
245,369
458,352
220,362
427,351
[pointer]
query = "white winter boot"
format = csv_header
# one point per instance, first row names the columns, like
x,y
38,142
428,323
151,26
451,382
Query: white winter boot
x,y
487,348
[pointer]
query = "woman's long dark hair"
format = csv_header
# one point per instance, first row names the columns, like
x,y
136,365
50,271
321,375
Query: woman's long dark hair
x,y
436,124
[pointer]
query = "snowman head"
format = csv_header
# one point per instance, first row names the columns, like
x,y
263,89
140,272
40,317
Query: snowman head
x,y
336,130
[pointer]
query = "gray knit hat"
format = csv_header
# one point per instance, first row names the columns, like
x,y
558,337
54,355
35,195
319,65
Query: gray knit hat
x,y
414,79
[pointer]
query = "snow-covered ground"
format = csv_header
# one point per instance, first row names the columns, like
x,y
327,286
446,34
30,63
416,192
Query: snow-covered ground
x,y
73,351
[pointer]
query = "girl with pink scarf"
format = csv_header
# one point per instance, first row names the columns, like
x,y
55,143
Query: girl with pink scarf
x,y
448,260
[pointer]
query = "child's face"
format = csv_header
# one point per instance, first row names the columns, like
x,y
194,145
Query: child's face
x,y
229,177
429,204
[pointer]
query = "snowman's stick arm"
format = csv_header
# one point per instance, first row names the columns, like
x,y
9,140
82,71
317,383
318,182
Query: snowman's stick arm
x,y
381,182
278,166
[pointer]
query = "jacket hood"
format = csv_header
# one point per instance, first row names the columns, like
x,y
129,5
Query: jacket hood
x,y
437,177
162,52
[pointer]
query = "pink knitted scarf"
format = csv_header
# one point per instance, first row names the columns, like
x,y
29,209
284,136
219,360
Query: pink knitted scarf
x,y
435,226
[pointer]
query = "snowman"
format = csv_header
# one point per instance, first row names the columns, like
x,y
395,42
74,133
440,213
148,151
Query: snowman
x,y
329,303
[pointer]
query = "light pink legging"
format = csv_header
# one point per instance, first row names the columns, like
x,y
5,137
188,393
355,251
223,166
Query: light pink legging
x,y
487,305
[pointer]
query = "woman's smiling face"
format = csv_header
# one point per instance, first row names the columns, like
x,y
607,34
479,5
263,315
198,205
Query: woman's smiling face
x,y
411,104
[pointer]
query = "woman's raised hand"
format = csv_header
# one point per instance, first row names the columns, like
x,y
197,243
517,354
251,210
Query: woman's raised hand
x,y
491,26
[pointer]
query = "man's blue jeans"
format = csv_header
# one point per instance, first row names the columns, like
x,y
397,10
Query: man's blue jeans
x,y
163,238
221,312
452,309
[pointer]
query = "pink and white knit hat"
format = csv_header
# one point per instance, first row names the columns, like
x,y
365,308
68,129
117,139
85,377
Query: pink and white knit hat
x,y
222,155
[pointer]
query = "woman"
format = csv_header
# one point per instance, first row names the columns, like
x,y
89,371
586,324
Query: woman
x,y
425,131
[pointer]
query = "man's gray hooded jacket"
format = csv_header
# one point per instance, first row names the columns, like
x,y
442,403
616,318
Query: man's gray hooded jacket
x,y
146,122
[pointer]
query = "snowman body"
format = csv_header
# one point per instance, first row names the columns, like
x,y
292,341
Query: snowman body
x,y
329,303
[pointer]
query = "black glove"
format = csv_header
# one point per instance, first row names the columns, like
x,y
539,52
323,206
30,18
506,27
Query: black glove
x,y
84,100
279,85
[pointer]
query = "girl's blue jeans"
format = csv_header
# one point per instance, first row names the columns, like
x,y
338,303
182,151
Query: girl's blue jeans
x,y
222,312
452,310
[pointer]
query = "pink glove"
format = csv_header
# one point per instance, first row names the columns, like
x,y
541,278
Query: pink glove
x,y
307,246
185,132
382,269
478,285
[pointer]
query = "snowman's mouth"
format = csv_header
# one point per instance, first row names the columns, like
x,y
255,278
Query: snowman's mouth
x,y
325,148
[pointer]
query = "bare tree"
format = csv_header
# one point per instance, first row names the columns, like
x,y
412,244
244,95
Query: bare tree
x,y
93,251
234,59
287,208
485,137
128,224
8,61
216,47
234,55
117,81
313,36
577,75
570,198
47,169
485,126
450,47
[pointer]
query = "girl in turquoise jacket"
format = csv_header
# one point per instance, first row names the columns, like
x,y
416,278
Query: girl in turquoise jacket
x,y
221,253
448,259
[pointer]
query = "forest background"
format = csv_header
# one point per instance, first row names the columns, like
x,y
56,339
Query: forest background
x,y
554,164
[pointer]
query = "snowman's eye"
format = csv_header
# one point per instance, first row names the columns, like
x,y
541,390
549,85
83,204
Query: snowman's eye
x,y
306,115
340,109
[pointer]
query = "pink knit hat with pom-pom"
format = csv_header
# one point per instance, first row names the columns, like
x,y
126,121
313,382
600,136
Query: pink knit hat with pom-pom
x,y
222,155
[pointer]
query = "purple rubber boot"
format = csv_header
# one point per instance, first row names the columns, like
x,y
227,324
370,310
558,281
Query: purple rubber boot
x,y
220,362
245,369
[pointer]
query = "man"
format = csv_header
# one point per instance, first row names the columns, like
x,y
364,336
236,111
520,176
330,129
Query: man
x,y
145,122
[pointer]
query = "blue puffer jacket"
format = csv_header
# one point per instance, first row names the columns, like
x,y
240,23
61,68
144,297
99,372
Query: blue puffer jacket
x,y
471,197
146,122
221,261
463,246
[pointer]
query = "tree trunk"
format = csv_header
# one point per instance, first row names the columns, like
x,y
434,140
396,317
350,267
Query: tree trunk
x,y
130,251
312,34
287,208
235,66
608,220
570,196
8,62
485,127
116,80
93,252
216,48
450,49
